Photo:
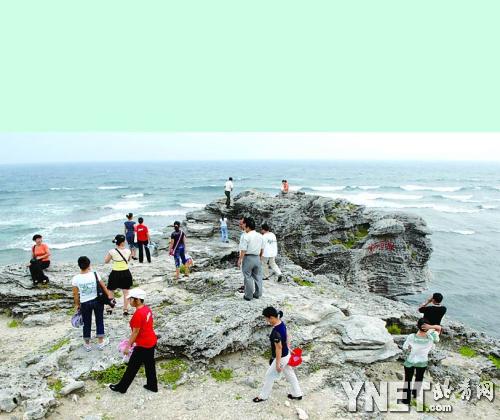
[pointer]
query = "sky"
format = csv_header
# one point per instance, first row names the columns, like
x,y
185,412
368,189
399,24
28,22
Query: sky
x,y
105,147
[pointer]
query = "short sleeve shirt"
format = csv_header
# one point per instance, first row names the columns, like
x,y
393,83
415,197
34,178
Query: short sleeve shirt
x,y
142,232
252,243
278,334
143,319
130,227
176,236
86,284
41,249
270,245
119,263
433,314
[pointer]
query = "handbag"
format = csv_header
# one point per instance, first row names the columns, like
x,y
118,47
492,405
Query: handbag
x,y
296,357
101,296
33,260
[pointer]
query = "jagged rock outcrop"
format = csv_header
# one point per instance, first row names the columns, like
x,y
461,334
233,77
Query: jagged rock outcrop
x,y
384,253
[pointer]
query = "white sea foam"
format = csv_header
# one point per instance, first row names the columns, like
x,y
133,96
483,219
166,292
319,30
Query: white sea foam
x,y
368,187
193,205
125,205
165,213
329,188
488,207
295,187
429,188
462,198
72,244
61,188
457,231
112,187
138,195
99,221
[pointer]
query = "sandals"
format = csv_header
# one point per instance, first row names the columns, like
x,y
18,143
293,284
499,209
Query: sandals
x,y
294,398
257,400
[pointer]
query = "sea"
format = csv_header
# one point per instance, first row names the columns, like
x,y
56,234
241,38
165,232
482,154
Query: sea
x,y
79,207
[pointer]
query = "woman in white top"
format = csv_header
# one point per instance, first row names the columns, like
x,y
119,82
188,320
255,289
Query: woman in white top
x,y
223,229
120,276
419,344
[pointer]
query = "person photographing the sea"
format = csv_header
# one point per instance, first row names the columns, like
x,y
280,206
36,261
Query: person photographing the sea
x,y
433,311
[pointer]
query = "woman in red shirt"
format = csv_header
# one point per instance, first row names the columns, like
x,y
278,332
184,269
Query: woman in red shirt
x,y
144,337
40,260
143,238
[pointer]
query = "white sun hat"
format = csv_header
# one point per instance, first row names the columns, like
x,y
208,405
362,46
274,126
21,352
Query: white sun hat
x,y
137,293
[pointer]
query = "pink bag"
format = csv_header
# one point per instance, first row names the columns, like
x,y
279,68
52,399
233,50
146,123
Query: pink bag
x,y
121,348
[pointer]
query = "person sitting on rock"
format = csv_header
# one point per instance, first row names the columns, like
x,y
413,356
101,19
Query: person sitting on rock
x,y
280,355
284,186
434,313
250,253
270,252
85,297
40,260
144,337
419,344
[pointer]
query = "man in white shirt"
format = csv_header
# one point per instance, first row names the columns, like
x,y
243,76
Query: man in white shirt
x,y
251,247
227,190
270,252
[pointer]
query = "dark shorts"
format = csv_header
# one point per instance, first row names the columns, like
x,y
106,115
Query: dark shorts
x,y
120,280
130,242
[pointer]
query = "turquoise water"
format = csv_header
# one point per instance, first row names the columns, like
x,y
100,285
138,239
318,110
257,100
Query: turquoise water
x,y
78,208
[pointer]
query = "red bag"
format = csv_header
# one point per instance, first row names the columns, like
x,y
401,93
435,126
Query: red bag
x,y
296,357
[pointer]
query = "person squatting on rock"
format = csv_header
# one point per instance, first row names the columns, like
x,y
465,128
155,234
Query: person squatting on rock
x,y
228,188
177,248
143,240
85,298
280,351
120,276
434,313
270,252
251,247
40,260
144,337
419,344
130,234
223,229
284,186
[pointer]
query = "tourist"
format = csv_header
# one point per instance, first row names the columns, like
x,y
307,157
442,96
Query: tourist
x,y
130,234
85,295
270,252
177,249
223,229
40,260
280,355
420,344
144,337
120,276
143,239
227,190
250,252
433,313
189,261
284,186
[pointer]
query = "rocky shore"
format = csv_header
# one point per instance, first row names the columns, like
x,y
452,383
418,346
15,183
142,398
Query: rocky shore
x,y
344,268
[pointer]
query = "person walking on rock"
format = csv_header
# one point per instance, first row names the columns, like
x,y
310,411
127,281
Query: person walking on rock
x,y
227,190
130,234
280,355
433,313
177,248
85,287
270,252
144,337
120,276
251,247
143,239
419,344
40,260
223,229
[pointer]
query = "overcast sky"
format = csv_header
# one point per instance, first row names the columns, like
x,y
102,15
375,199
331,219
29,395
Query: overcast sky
x,y
96,147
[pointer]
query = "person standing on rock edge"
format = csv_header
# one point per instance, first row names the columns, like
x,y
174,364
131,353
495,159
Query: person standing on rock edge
x,y
434,313
251,248
270,252
419,344
85,298
177,248
145,339
223,229
280,351
120,276
284,186
40,260
130,234
227,190
143,239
